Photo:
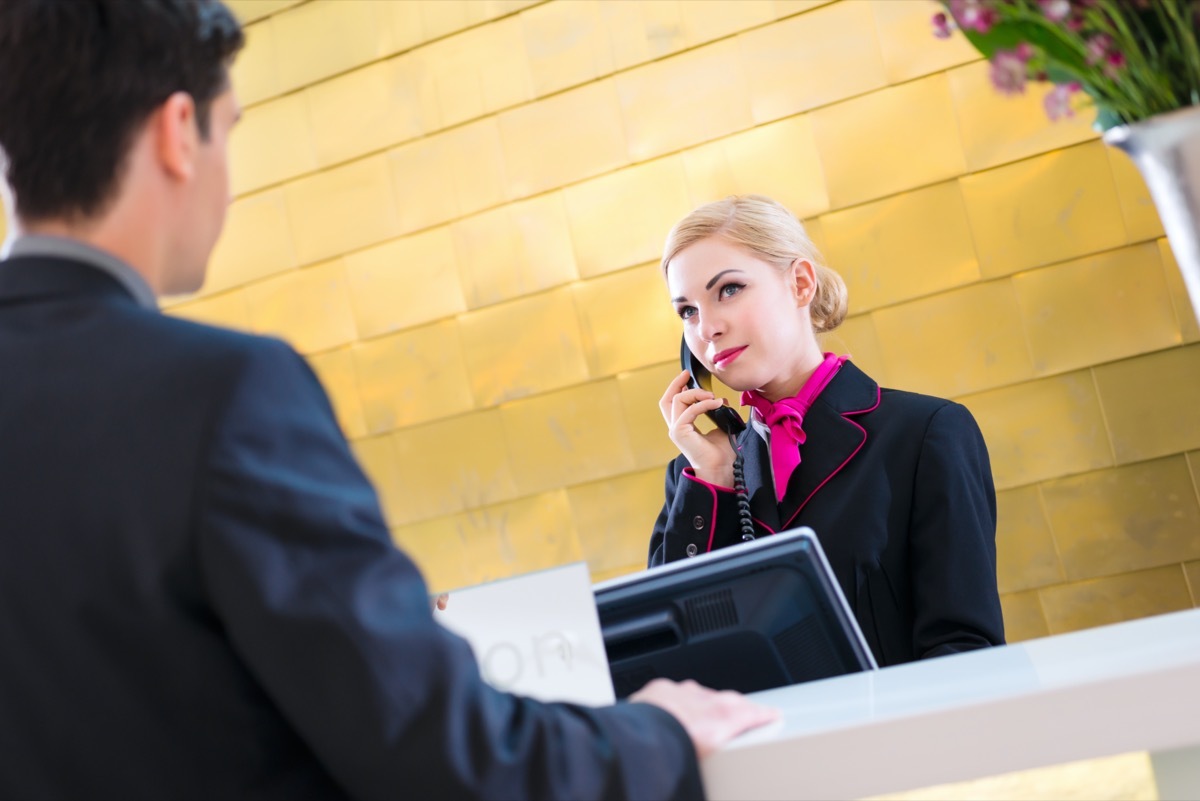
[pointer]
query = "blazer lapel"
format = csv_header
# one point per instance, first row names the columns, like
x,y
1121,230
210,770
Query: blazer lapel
x,y
833,438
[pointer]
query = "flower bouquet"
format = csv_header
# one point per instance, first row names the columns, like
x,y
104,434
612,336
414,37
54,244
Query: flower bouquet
x,y
1137,62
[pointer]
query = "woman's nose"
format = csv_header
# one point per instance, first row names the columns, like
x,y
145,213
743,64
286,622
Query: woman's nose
x,y
711,327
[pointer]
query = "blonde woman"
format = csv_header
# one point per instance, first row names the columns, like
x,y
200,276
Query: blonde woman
x,y
897,485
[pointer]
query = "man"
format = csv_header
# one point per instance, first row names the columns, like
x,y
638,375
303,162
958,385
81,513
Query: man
x,y
198,596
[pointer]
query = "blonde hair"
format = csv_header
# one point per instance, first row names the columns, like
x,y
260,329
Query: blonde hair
x,y
773,234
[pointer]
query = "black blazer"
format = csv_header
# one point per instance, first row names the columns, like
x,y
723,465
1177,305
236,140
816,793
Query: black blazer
x,y
199,598
899,490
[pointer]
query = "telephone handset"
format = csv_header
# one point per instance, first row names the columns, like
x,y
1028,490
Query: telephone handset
x,y
732,424
725,418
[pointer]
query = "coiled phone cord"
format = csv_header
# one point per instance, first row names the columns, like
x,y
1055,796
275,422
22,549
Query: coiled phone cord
x,y
743,497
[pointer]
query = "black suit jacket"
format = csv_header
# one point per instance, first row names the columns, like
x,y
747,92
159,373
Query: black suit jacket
x,y
899,490
199,598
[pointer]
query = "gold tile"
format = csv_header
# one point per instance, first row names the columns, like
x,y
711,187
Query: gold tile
x,y
412,377
377,457
335,368
1141,215
621,219
453,465
520,536
1185,311
272,143
227,310
614,518
256,242
514,250
1098,602
371,108
408,24
439,550
642,30
522,347
903,247
1042,429
442,17
1026,557
562,139
1043,210
779,160
998,128
961,341
704,21
640,391
1097,309
326,37
567,437
492,543
663,112
816,232
856,338
424,187
405,282
480,71
812,60
627,320
1191,571
248,11
1152,403
567,45
870,148
1125,518
253,73
617,572
1023,617
786,8
709,174
475,160
907,43
310,308
341,210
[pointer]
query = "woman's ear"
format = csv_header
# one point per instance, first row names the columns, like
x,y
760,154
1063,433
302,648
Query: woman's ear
x,y
802,277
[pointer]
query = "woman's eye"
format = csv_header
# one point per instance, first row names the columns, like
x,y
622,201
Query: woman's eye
x,y
686,311
729,290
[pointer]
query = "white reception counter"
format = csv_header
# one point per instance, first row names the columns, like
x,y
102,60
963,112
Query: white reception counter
x,y
1127,687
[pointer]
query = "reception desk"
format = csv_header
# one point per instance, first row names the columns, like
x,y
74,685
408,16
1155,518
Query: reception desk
x,y
1115,689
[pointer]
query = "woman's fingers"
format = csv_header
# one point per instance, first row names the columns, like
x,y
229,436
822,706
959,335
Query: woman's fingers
x,y
673,389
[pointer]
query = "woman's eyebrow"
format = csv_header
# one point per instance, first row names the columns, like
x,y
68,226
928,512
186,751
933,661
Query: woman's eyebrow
x,y
717,277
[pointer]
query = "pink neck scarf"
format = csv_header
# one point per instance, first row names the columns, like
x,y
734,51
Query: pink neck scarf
x,y
785,417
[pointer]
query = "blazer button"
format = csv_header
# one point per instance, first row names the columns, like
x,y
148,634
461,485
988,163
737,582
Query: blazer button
x,y
691,548
697,522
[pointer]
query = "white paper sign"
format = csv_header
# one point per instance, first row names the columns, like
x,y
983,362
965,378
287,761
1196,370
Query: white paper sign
x,y
536,635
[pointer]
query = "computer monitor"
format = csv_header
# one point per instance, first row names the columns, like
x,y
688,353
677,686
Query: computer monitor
x,y
749,617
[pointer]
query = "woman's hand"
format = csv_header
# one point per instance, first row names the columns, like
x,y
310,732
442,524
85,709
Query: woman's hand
x,y
709,454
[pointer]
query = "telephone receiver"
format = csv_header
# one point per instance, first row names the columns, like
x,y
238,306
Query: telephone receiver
x,y
725,418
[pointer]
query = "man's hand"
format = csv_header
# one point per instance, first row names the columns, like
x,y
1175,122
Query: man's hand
x,y
710,717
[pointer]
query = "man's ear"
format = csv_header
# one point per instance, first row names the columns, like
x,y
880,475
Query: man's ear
x,y
802,277
177,135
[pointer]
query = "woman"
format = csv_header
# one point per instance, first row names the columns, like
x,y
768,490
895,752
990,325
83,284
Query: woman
x,y
896,485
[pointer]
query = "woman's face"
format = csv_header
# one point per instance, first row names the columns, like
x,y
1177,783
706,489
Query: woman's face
x,y
745,319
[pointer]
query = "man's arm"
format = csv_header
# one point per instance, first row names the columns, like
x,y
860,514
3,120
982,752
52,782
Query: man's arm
x,y
335,622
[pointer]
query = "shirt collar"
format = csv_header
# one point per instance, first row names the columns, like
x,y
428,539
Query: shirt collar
x,y
73,249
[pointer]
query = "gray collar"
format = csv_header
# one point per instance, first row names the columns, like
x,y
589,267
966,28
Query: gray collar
x,y
73,249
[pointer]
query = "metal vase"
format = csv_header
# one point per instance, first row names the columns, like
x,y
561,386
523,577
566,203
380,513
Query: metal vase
x,y
1166,149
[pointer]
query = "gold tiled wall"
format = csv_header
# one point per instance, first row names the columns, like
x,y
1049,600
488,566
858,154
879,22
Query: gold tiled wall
x,y
454,209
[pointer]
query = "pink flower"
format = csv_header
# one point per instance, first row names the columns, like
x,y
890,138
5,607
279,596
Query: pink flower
x,y
973,14
1075,24
1056,10
1058,101
941,26
1097,48
1024,51
1008,72
1115,62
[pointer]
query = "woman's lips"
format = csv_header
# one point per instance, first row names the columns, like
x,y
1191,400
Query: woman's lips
x,y
726,357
